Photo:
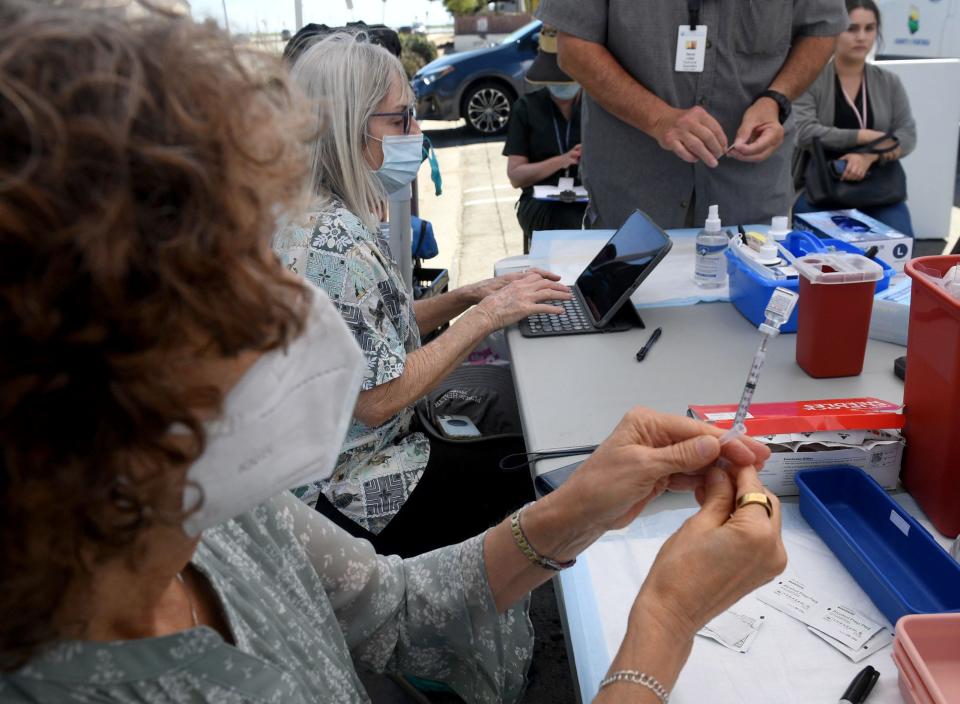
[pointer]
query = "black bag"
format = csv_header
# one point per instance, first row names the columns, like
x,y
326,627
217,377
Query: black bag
x,y
484,393
884,184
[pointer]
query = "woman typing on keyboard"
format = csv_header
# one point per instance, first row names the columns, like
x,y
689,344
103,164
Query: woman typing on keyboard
x,y
395,484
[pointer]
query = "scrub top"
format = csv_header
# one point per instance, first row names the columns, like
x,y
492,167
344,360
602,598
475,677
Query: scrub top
x,y
539,131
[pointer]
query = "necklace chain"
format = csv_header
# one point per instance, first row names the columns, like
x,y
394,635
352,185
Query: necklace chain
x,y
193,609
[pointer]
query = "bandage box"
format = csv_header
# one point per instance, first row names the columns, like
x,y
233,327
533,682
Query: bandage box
x,y
861,432
856,228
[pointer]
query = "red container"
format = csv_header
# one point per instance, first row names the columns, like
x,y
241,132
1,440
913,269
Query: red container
x,y
836,302
931,395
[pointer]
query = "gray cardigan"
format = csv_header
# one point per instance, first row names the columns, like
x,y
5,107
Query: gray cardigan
x,y
888,105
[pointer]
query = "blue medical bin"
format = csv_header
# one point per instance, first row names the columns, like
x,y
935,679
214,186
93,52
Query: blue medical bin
x,y
893,558
750,293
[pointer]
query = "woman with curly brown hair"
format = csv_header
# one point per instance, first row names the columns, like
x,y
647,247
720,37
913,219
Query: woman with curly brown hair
x,y
165,381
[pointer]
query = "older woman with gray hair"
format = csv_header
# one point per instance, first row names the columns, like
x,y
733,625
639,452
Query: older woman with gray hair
x,y
401,489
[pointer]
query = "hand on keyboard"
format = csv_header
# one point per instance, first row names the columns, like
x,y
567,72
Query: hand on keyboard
x,y
529,295
474,293
571,319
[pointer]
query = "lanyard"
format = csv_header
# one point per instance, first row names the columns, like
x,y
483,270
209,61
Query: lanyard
x,y
862,119
562,146
693,10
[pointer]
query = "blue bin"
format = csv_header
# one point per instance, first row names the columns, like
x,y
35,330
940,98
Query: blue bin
x,y
893,558
750,293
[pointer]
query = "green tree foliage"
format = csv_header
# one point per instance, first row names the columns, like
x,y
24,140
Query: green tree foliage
x,y
417,51
464,7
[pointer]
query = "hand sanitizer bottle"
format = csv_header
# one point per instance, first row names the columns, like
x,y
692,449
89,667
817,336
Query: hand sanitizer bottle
x,y
711,265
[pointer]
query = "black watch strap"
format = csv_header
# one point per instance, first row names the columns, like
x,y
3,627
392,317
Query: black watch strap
x,y
783,103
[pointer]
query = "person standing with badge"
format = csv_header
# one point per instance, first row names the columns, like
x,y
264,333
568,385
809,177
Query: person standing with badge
x,y
689,103
543,145
860,114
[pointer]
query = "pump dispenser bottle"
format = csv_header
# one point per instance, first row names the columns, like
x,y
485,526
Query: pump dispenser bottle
x,y
711,265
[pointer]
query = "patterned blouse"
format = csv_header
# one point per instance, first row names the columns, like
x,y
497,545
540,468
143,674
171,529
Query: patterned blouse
x,y
378,468
304,601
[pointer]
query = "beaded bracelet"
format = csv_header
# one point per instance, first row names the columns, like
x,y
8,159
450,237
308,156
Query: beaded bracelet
x,y
520,538
641,678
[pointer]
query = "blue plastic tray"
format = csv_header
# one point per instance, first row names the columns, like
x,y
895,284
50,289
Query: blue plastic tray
x,y
750,293
892,557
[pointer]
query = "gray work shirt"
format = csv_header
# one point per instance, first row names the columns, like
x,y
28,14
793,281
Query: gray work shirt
x,y
747,44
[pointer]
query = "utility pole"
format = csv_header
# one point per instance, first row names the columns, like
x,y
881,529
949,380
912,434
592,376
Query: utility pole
x,y
226,21
298,14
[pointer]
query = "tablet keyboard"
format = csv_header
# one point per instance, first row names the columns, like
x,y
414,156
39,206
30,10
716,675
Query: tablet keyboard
x,y
573,319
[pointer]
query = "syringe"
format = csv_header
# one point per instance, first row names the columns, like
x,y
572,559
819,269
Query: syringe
x,y
778,311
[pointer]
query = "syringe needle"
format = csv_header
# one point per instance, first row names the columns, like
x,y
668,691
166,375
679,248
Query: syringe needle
x,y
778,312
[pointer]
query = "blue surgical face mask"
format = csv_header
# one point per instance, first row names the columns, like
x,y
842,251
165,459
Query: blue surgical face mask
x,y
402,156
564,91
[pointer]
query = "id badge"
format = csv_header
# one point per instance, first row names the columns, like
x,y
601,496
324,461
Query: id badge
x,y
691,48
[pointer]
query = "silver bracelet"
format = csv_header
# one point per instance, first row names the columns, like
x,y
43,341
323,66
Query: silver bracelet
x,y
636,677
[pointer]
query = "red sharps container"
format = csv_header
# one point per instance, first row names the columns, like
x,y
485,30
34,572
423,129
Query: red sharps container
x,y
931,395
836,300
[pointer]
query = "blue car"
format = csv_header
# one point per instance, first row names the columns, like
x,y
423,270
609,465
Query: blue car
x,y
480,85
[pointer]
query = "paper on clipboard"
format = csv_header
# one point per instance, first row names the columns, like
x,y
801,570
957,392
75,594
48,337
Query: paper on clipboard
x,y
552,193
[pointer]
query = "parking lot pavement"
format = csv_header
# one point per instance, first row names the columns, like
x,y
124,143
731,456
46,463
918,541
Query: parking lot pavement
x,y
474,220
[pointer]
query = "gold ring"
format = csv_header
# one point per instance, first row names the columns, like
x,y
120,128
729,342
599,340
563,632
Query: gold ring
x,y
756,498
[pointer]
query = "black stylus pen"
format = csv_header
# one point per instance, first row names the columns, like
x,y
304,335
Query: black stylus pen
x,y
861,686
646,348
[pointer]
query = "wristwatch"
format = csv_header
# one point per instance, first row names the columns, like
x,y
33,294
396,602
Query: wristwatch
x,y
783,103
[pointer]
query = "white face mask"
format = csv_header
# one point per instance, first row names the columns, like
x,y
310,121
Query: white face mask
x,y
283,423
402,156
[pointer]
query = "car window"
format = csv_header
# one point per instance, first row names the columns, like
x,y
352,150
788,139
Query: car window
x,y
518,33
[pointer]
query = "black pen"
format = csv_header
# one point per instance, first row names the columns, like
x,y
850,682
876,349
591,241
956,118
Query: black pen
x,y
861,686
646,348
872,252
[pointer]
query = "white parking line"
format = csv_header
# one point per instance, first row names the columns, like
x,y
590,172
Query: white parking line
x,y
499,187
485,201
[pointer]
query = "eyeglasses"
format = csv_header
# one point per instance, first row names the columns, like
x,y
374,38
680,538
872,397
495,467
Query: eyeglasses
x,y
407,114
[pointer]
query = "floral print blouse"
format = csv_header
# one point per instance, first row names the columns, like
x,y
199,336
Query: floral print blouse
x,y
379,467
304,601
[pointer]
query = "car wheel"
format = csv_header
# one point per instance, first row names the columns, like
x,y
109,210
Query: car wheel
x,y
486,108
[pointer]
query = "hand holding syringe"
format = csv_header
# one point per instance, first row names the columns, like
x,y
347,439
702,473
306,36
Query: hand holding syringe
x,y
778,312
